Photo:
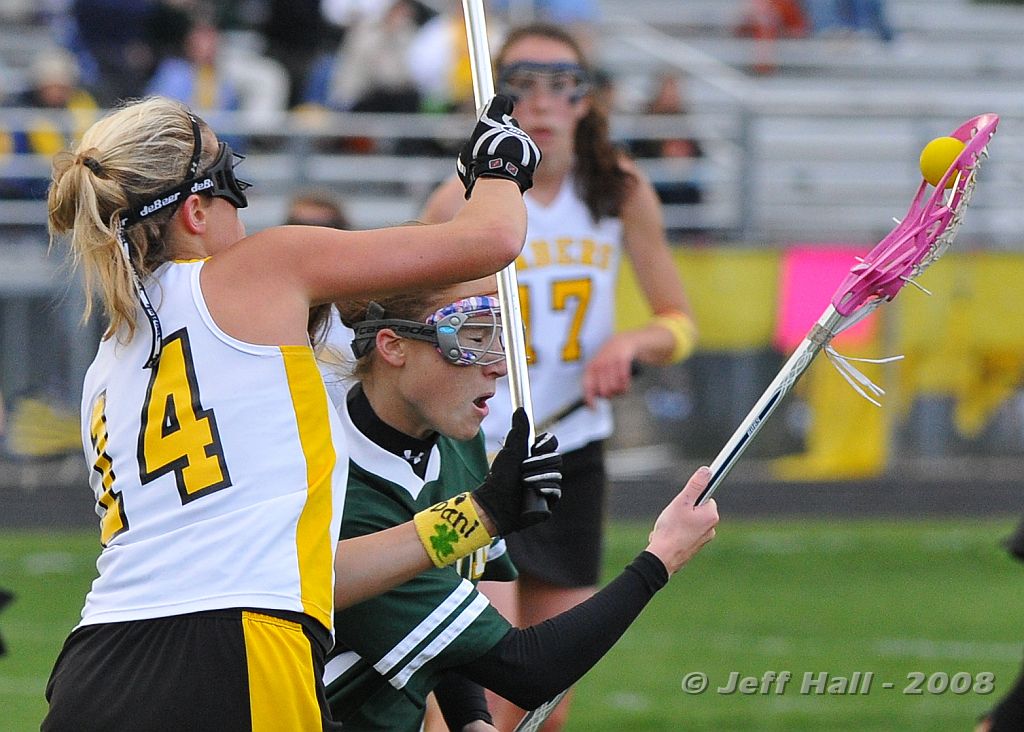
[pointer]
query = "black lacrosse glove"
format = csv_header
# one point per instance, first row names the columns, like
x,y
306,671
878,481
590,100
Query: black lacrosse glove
x,y
516,475
498,148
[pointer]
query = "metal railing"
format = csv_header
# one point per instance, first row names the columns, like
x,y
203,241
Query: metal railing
x,y
775,168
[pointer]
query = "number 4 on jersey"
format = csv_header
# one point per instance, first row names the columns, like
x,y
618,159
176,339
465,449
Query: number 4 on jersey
x,y
178,436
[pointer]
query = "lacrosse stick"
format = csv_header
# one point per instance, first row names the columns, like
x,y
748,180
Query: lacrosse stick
x,y
918,240
508,284
575,406
532,720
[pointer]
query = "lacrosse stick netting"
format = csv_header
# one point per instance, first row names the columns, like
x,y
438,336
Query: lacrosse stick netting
x,y
924,234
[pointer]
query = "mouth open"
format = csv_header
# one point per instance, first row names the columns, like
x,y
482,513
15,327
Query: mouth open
x,y
481,402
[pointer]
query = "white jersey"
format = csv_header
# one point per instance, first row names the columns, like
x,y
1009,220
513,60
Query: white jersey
x,y
219,474
567,275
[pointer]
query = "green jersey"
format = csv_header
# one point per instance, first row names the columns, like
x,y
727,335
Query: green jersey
x,y
393,649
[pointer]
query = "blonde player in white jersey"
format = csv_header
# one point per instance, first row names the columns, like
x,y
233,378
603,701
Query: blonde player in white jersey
x,y
589,206
218,466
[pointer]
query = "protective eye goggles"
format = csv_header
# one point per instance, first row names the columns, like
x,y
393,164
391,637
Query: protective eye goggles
x,y
467,332
526,78
219,181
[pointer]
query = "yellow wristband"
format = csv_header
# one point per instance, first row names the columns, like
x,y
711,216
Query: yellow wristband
x,y
451,529
682,329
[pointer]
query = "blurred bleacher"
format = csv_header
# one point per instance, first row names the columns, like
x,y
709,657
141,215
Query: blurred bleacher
x,y
805,141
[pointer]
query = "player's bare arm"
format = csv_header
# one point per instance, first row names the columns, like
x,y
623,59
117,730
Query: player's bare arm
x,y
444,202
670,335
260,289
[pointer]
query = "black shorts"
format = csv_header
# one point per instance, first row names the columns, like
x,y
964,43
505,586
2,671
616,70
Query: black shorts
x,y
566,550
221,670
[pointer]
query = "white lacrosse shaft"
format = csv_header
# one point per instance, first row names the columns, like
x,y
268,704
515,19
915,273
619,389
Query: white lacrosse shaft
x,y
508,284
818,337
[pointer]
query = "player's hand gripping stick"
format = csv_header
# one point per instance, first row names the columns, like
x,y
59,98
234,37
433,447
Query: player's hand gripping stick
x,y
498,148
523,484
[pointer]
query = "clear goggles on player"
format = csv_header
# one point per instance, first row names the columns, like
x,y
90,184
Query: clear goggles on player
x,y
523,79
218,181
467,332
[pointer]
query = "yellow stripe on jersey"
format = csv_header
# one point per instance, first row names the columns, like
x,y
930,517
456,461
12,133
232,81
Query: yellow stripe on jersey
x,y
313,534
282,685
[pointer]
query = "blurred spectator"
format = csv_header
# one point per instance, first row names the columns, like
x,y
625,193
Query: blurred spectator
x,y
191,74
371,69
439,61
439,55
208,77
112,34
55,78
317,207
681,186
54,89
867,17
246,81
848,17
260,83
770,19
297,36
825,17
765,21
167,25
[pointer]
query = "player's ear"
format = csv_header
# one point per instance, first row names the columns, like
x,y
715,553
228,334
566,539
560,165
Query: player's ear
x,y
391,347
193,214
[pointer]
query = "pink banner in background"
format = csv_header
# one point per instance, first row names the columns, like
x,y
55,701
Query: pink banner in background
x,y
810,275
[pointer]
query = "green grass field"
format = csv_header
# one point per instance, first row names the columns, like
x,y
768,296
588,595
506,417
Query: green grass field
x,y
891,597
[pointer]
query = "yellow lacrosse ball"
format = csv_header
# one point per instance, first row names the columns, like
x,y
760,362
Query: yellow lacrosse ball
x,y
936,158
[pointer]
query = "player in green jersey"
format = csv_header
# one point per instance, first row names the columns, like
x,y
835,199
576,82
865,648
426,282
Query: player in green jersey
x,y
426,365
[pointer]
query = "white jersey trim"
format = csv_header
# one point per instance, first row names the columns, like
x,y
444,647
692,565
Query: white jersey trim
x,y
337,666
213,602
426,626
255,349
373,458
442,641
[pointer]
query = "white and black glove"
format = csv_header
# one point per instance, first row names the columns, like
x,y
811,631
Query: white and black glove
x,y
522,486
498,148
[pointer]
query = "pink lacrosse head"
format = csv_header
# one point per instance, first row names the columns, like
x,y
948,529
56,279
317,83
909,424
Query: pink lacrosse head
x,y
925,232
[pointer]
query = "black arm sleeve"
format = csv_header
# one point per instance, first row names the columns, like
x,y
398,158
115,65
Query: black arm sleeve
x,y
462,701
528,666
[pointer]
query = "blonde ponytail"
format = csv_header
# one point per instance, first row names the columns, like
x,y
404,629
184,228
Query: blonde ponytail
x,y
133,152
